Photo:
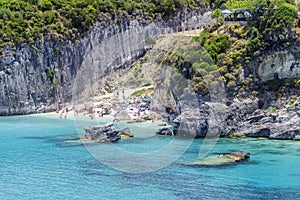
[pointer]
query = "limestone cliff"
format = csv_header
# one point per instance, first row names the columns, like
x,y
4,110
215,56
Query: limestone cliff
x,y
34,78
279,64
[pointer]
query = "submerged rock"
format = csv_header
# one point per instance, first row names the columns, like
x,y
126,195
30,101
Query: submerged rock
x,y
222,159
213,161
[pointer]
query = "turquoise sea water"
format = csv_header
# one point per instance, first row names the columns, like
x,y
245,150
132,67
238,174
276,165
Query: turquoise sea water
x,y
40,159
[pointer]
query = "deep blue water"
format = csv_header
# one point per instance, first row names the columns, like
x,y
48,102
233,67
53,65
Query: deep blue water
x,y
40,159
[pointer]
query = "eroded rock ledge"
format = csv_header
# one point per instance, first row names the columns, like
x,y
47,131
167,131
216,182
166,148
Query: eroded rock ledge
x,y
241,119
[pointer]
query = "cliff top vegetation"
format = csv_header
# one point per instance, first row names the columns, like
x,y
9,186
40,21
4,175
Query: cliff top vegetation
x,y
23,21
229,48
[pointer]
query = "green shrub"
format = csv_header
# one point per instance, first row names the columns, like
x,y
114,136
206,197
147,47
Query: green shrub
x,y
50,73
150,41
45,5
56,82
145,58
203,37
274,109
297,84
217,46
294,105
216,13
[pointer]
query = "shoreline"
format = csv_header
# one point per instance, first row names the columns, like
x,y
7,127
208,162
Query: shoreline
x,y
87,118
71,115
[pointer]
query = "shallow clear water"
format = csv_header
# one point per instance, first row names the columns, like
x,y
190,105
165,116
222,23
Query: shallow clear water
x,y
41,159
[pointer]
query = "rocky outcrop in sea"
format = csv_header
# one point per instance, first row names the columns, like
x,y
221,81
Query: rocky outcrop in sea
x,y
105,133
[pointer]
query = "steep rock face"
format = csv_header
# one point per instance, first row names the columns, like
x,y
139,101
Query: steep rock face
x,y
35,78
251,115
260,114
280,64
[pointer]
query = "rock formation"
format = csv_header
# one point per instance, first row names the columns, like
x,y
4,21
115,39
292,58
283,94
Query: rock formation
x,y
245,119
165,131
105,133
